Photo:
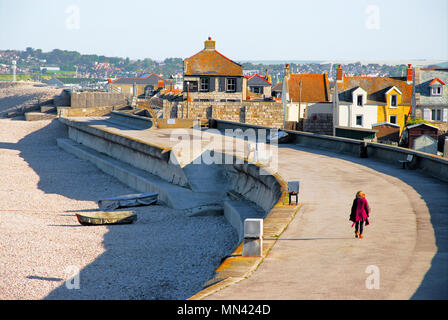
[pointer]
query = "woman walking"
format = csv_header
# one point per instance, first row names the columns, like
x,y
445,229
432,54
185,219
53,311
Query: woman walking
x,y
360,213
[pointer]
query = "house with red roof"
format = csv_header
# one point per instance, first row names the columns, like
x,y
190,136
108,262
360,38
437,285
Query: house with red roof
x,y
258,87
307,94
363,102
209,76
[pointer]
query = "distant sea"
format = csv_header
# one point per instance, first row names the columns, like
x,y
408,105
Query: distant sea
x,y
273,62
415,62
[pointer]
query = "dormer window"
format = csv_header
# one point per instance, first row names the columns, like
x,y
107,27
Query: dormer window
x,y
359,96
435,87
359,100
436,91
394,93
393,100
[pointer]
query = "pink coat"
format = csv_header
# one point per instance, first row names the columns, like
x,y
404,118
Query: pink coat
x,y
360,210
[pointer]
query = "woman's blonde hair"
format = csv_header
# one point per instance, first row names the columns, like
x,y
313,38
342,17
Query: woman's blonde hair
x,y
361,194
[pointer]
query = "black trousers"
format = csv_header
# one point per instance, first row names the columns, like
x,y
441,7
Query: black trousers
x,y
359,225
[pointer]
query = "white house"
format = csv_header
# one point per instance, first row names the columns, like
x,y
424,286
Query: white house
x,y
355,110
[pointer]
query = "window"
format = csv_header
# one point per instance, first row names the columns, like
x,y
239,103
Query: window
x,y
149,90
436,91
359,120
393,119
436,114
393,100
205,84
257,89
359,100
231,85
191,86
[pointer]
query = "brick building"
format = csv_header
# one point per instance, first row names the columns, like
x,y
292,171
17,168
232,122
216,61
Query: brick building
x,y
258,87
431,94
209,76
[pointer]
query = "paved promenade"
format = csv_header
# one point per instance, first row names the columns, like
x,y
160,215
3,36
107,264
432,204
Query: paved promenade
x,y
317,257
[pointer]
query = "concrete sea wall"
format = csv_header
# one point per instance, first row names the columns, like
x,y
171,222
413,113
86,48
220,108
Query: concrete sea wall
x,y
430,164
96,99
247,180
151,158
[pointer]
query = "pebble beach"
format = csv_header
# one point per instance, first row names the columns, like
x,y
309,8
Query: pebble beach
x,y
163,255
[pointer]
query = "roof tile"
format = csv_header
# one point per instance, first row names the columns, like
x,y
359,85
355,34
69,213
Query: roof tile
x,y
315,87
211,62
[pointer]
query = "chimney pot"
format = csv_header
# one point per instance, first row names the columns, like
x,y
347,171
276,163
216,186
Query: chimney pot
x,y
409,74
339,74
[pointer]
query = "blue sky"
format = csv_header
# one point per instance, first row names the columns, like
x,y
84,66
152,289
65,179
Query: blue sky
x,y
243,29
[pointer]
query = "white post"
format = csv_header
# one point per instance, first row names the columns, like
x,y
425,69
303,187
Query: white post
x,y
253,238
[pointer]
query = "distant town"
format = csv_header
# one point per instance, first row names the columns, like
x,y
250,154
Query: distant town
x,y
34,64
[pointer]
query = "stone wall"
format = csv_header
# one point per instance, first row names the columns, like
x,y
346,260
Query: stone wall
x,y
252,112
96,99
216,91
319,123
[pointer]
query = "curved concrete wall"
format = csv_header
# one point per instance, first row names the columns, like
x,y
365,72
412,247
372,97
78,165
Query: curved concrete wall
x,y
151,158
263,190
245,179
258,191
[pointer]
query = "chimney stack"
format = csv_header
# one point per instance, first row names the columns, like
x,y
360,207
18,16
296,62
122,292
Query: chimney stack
x,y
339,74
209,44
409,74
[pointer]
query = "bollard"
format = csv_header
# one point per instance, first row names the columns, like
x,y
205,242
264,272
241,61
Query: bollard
x,y
363,150
293,190
253,242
